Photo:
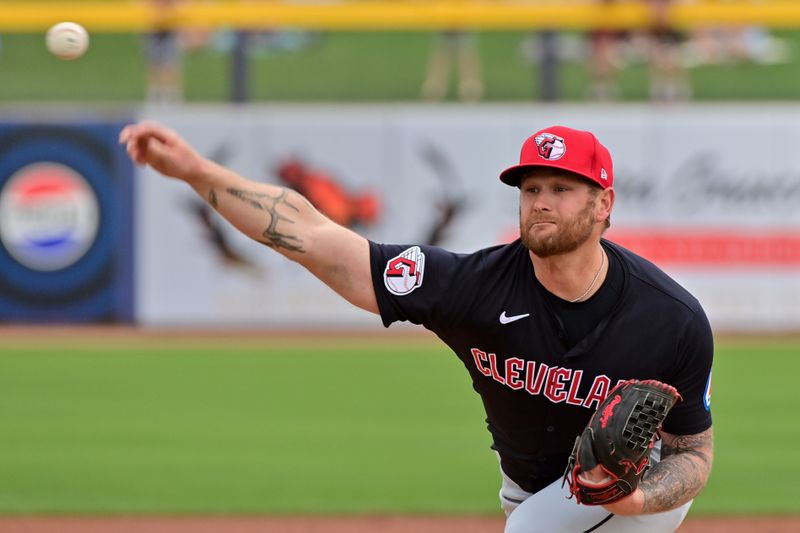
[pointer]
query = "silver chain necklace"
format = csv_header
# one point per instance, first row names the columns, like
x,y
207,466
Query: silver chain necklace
x,y
594,279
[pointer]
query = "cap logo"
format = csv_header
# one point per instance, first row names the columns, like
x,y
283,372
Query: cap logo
x,y
550,147
603,174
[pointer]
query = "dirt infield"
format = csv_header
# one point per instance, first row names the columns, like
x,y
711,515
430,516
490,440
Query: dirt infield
x,y
371,524
88,335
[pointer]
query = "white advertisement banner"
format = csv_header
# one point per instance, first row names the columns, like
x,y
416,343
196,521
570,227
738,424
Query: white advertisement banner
x,y
710,193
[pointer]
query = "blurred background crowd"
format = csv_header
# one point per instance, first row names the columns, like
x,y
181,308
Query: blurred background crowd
x,y
658,56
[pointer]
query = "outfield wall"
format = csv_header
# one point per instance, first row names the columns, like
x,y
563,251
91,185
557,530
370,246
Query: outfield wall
x,y
711,193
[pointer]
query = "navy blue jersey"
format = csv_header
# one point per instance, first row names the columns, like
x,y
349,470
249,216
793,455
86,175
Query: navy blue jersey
x,y
538,386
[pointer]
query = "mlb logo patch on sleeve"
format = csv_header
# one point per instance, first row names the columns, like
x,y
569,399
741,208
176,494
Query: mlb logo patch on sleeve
x,y
404,272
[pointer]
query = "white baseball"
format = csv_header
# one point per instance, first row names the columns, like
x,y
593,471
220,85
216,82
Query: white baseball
x,y
67,40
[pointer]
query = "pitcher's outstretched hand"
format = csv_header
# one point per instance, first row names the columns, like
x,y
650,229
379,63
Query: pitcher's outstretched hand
x,y
149,143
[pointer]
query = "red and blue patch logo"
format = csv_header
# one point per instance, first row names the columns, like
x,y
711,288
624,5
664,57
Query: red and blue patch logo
x,y
49,216
707,394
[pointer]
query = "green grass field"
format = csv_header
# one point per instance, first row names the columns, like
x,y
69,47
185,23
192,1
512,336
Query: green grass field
x,y
350,67
291,426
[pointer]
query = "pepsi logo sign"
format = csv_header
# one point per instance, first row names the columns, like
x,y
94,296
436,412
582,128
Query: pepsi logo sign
x,y
49,216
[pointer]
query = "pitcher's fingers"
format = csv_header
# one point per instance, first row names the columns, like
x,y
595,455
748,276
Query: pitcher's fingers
x,y
123,135
126,133
135,152
148,128
145,129
130,147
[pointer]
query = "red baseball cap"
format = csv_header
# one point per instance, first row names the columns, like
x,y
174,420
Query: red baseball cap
x,y
565,148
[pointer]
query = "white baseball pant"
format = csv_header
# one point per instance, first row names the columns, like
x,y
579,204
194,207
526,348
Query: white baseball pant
x,y
551,511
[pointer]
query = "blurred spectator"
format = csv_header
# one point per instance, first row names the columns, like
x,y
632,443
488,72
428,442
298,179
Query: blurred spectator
x,y
164,55
734,44
668,78
659,45
605,60
717,45
459,49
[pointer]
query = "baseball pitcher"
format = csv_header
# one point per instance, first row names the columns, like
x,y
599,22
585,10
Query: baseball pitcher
x,y
594,367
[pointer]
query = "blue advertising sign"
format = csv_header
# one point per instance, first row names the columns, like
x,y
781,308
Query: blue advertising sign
x,y
66,228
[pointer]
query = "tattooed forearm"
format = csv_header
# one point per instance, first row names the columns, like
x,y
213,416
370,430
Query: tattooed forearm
x,y
249,197
265,202
212,198
681,474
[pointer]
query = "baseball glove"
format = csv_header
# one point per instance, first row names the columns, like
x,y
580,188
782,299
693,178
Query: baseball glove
x,y
618,438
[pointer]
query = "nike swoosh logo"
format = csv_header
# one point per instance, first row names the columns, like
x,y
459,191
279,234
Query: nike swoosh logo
x,y
509,319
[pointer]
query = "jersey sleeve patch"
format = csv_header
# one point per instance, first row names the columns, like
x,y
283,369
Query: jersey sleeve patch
x,y
707,394
403,273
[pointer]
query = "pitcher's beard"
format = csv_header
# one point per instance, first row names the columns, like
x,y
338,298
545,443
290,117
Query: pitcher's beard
x,y
568,237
